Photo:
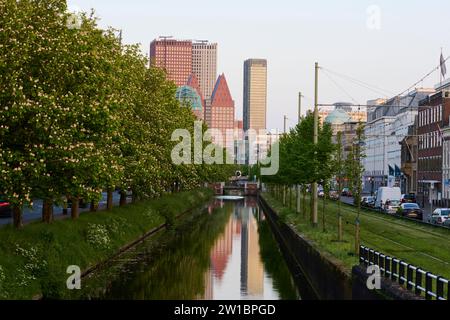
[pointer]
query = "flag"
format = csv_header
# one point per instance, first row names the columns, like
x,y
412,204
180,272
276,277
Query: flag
x,y
443,66
391,170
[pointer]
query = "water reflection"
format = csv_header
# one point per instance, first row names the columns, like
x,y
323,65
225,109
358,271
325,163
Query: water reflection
x,y
224,252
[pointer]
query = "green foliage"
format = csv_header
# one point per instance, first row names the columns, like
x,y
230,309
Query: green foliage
x,y
301,161
81,113
34,260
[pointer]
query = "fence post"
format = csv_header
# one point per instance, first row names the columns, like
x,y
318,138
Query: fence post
x,y
387,266
401,272
371,256
381,264
394,268
377,258
409,277
439,288
428,286
418,281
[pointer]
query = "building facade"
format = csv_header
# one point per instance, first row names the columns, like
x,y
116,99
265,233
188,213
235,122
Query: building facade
x,y
446,166
434,113
189,97
409,150
204,66
388,124
353,112
174,57
222,113
255,94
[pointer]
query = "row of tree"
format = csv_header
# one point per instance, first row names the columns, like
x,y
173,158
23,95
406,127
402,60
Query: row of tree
x,y
302,162
80,113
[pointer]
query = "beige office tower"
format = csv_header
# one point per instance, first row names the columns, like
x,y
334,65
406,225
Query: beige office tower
x,y
255,94
204,66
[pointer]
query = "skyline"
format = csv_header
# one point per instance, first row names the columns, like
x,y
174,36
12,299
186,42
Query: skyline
x,y
393,57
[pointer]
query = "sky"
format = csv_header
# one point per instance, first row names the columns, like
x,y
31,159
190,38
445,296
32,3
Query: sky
x,y
387,44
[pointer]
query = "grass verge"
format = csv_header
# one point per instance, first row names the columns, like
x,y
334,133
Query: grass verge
x,y
34,260
423,246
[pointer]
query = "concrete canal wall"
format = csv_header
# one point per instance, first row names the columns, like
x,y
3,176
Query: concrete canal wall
x,y
327,277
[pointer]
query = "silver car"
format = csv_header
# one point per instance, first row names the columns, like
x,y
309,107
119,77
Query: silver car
x,y
439,216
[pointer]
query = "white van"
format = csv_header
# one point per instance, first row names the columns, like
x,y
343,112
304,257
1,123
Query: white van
x,y
392,194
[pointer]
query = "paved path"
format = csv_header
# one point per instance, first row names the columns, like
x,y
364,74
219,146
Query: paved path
x,y
35,213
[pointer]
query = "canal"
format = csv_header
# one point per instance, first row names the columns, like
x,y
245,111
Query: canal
x,y
222,251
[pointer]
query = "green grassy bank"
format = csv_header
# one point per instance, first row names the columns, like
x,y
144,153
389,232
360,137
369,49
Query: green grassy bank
x,y
421,245
34,260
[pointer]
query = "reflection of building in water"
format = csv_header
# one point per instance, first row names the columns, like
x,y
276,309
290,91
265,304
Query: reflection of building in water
x,y
209,286
242,227
252,270
255,272
222,250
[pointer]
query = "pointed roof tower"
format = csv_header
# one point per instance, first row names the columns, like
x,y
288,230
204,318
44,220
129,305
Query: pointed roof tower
x,y
221,96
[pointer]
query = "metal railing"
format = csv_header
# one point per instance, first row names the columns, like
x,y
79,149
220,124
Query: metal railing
x,y
413,278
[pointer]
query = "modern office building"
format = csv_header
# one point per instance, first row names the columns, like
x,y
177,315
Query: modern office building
x,y
255,94
174,57
204,65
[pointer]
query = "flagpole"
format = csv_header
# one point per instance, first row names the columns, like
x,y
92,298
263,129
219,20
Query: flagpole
x,y
440,74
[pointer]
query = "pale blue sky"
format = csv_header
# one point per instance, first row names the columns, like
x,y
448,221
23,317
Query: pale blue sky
x,y
292,35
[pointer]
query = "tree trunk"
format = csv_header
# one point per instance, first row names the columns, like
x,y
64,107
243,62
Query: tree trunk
x,y
340,228
75,212
109,199
290,197
94,206
65,211
17,217
284,196
304,203
47,211
123,198
323,214
298,198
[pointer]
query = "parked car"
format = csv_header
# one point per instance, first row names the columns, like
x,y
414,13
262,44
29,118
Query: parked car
x,y
368,202
334,195
391,206
439,216
320,193
5,208
408,198
410,210
346,192
446,223
385,194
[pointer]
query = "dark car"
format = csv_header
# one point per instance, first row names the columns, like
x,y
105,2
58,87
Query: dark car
x,y
346,192
368,202
408,198
5,208
410,210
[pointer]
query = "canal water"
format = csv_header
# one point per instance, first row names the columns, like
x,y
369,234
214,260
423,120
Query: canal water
x,y
223,251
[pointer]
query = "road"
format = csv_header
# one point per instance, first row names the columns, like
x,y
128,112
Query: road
x,y
35,213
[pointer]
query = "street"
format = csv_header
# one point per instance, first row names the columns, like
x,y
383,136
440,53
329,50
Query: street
x,y
426,210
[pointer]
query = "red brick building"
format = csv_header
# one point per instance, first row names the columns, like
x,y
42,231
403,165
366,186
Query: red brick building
x,y
173,56
222,108
434,113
